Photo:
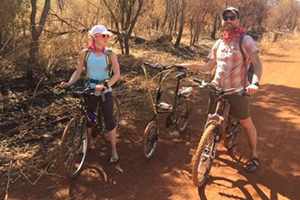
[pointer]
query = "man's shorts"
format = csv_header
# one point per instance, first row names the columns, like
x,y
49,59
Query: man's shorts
x,y
240,105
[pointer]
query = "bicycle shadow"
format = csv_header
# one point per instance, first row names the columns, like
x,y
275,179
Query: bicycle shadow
x,y
83,186
276,116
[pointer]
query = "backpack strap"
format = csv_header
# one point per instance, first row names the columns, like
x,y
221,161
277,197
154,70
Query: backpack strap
x,y
244,56
87,54
108,62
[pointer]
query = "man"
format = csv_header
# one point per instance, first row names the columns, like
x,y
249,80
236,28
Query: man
x,y
230,73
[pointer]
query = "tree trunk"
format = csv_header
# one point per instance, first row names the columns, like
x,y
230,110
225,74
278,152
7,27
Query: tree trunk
x,y
182,22
126,21
214,31
36,29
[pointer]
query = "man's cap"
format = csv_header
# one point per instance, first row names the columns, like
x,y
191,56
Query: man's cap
x,y
233,10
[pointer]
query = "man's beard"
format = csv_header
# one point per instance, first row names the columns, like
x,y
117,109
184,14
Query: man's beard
x,y
229,28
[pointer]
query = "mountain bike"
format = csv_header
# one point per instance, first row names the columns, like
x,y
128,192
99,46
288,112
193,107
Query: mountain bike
x,y
75,141
178,112
219,125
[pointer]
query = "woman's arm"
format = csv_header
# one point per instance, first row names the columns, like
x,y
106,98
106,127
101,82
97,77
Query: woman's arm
x,y
76,75
116,69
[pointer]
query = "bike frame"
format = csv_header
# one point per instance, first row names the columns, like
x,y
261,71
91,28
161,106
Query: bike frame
x,y
83,110
220,116
162,75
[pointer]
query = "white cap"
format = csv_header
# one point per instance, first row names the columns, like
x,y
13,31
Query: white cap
x,y
99,29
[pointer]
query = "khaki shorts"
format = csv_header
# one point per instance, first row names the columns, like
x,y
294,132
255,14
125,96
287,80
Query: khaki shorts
x,y
240,105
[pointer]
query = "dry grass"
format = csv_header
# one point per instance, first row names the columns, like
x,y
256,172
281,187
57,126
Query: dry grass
x,y
29,149
280,38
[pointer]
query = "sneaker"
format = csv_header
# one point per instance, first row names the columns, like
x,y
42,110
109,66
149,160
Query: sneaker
x,y
114,159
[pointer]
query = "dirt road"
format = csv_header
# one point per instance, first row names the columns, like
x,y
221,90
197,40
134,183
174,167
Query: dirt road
x,y
167,175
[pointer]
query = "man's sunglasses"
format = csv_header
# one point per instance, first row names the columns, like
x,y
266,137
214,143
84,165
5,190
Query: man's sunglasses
x,y
232,18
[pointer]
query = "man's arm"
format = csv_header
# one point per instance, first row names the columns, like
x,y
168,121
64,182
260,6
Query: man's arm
x,y
201,67
257,64
258,69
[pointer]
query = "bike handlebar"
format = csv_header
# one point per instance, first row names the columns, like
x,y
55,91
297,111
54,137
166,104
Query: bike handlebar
x,y
239,91
164,67
82,92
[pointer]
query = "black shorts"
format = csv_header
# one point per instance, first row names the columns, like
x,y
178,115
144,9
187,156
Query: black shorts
x,y
106,108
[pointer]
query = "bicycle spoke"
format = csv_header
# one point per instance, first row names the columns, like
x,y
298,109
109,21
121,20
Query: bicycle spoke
x,y
204,156
184,111
150,138
73,147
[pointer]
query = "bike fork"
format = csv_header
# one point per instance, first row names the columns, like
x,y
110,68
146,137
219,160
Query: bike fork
x,y
213,150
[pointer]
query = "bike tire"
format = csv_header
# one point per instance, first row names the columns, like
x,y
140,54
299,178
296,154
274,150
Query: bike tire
x,y
204,156
184,112
116,114
150,138
73,149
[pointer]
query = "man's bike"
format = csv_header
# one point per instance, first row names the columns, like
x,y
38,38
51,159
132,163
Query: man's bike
x,y
178,111
219,125
75,141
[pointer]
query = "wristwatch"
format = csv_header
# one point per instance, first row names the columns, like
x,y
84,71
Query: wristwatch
x,y
256,83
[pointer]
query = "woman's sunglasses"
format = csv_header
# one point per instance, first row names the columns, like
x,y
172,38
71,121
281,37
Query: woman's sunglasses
x,y
105,36
232,18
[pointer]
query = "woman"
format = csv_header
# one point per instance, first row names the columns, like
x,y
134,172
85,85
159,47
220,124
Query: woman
x,y
98,78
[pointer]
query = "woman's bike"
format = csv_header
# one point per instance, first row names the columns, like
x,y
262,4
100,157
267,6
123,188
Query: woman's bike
x,y
75,142
219,125
178,112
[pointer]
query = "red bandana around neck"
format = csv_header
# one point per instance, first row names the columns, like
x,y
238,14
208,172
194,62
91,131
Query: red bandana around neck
x,y
94,49
236,34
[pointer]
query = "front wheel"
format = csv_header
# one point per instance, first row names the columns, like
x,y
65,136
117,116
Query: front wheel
x,y
73,147
150,138
204,156
184,112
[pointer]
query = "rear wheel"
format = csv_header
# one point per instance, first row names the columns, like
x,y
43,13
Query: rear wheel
x,y
150,138
116,110
73,147
204,156
184,107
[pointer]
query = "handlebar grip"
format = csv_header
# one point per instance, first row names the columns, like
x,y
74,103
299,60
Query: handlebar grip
x,y
197,80
162,68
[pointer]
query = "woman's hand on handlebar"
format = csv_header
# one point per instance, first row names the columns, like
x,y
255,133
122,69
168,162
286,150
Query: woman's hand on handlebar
x,y
64,85
100,88
184,65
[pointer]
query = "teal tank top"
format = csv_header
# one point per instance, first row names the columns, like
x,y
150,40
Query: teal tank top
x,y
97,69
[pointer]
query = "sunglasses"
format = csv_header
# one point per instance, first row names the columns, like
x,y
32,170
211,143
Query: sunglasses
x,y
105,36
232,18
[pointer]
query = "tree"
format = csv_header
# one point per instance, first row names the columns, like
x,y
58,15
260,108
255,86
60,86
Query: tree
x,y
37,28
182,22
125,17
